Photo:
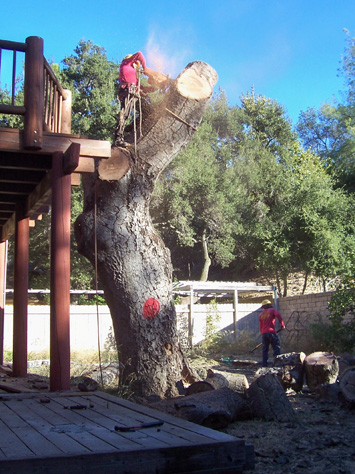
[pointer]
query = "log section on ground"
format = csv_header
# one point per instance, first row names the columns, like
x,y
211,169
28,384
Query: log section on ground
x,y
321,368
133,264
214,409
347,384
268,400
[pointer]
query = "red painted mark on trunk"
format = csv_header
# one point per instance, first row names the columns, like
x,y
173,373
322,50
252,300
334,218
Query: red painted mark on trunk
x,y
151,308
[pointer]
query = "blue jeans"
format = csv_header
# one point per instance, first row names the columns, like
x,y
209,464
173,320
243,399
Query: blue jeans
x,y
267,339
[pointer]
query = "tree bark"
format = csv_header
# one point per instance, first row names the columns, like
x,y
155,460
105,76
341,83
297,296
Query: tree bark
x,y
214,409
206,258
347,385
133,264
268,400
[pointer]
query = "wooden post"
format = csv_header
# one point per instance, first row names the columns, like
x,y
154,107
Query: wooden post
x,y
3,254
235,313
60,277
34,93
65,126
22,231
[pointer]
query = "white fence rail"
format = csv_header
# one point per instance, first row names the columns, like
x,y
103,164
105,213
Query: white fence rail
x,y
192,326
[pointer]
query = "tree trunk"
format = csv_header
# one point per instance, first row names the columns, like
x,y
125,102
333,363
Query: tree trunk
x,y
133,264
321,368
206,258
214,409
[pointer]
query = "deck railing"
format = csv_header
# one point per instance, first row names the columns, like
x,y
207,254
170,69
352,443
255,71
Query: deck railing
x,y
47,106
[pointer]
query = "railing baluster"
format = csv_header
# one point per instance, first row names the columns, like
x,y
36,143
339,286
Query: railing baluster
x,y
13,78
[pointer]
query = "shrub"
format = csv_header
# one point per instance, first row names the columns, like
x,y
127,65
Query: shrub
x,y
339,335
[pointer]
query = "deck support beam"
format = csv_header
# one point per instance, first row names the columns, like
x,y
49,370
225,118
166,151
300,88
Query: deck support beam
x,y
60,277
19,367
3,255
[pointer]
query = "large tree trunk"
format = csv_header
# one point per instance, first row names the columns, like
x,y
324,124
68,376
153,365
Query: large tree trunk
x,y
133,263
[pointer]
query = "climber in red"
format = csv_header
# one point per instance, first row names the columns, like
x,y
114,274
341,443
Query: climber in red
x,y
130,90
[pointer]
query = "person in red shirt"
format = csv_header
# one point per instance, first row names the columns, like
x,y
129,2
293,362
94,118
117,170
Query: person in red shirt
x,y
269,336
130,91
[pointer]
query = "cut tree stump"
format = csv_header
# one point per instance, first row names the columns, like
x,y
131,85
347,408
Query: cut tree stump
x,y
290,370
214,409
268,400
321,368
347,384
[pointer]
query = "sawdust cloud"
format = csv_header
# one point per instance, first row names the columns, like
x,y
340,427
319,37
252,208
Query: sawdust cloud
x,y
161,57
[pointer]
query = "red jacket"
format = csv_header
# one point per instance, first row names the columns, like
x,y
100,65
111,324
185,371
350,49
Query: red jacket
x,y
127,70
267,320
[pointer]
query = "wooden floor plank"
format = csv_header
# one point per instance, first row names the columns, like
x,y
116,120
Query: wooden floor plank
x,y
11,447
167,435
179,422
50,424
174,433
40,433
100,426
143,439
29,436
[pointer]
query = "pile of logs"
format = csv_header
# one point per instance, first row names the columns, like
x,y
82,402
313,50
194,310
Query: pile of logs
x,y
214,403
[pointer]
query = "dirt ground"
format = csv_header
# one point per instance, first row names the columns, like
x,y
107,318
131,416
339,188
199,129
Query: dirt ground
x,y
320,441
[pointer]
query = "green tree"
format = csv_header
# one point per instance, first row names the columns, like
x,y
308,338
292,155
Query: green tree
x,y
330,130
93,80
193,207
292,218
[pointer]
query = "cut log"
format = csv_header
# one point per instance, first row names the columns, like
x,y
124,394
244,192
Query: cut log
x,y
347,384
268,400
115,167
345,361
216,379
321,368
199,387
214,409
213,381
239,383
291,370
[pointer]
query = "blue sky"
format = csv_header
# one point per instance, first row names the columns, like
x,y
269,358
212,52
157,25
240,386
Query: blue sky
x,y
288,50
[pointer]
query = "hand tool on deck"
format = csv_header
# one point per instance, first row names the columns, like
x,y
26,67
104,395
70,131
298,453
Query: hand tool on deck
x,y
139,427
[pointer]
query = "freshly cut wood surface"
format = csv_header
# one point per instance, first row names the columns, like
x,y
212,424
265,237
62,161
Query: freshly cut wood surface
x,y
193,85
116,166
321,368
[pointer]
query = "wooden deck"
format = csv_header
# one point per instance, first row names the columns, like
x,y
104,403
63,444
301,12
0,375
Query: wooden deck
x,y
75,432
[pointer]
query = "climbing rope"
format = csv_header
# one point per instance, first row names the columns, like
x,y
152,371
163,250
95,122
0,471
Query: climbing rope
x,y
96,285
